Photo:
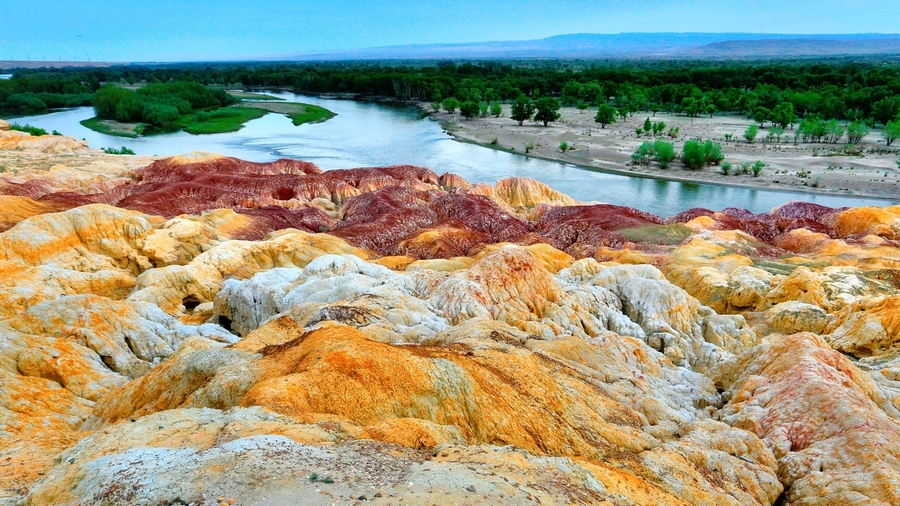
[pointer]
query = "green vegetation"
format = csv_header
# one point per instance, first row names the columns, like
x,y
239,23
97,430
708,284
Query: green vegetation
x,y
28,129
112,127
606,115
229,119
546,110
726,167
665,152
522,109
496,110
661,151
563,146
451,105
159,104
469,109
819,97
891,131
856,131
751,133
122,151
192,107
245,95
298,112
695,155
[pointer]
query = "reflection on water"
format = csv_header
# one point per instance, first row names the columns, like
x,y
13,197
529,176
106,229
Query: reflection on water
x,y
373,134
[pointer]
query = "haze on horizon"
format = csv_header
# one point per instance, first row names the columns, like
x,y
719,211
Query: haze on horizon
x,y
207,30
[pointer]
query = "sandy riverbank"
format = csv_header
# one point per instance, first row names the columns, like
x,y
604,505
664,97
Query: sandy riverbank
x,y
813,168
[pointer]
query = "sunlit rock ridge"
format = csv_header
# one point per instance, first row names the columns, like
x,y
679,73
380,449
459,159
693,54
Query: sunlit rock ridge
x,y
206,330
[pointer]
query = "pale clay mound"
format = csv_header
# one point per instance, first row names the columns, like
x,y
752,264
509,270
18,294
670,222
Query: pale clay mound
x,y
152,361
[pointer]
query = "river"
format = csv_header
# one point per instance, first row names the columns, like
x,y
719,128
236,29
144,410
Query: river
x,y
367,134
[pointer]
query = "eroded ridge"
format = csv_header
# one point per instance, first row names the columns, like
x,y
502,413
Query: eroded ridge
x,y
203,328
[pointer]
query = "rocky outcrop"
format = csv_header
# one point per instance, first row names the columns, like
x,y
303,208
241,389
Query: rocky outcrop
x,y
829,425
201,329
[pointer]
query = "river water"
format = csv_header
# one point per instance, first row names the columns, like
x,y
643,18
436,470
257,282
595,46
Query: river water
x,y
367,134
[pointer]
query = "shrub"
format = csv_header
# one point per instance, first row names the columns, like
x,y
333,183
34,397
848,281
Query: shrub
x,y
114,151
856,131
665,153
713,153
159,115
757,168
674,131
726,167
643,154
639,131
33,130
693,155
496,110
563,146
450,104
750,133
468,109
728,137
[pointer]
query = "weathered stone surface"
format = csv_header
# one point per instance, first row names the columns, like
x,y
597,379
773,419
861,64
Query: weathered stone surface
x,y
482,392
830,426
242,326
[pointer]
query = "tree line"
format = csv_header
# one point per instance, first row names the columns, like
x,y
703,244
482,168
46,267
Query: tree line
x,y
157,104
782,93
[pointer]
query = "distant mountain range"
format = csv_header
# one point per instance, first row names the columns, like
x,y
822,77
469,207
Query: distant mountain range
x,y
634,45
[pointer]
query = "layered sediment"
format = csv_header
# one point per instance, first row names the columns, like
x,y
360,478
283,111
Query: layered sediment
x,y
199,329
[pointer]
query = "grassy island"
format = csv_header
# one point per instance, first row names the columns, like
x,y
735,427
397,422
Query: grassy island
x,y
189,106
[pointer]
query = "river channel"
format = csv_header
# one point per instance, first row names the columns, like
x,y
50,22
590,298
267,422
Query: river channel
x,y
367,134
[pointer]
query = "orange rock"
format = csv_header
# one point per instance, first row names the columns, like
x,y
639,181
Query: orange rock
x,y
828,424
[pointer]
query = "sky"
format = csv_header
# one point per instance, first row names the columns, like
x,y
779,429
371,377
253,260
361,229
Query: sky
x,y
195,30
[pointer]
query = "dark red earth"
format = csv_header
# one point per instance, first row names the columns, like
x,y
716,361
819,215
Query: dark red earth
x,y
398,210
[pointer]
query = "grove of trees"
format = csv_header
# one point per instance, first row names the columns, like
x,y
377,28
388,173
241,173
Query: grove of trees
x,y
783,93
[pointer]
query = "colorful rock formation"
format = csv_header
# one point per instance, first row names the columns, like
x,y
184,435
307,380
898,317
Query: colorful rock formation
x,y
200,329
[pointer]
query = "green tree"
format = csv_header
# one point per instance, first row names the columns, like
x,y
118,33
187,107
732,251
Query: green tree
x,y
107,98
582,106
665,152
546,110
891,131
856,131
451,105
886,109
159,115
648,125
496,110
623,113
750,133
643,154
469,109
606,115
761,115
713,152
693,155
522,109
783,115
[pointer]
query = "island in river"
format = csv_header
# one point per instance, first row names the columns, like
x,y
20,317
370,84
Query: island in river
x,y
220,120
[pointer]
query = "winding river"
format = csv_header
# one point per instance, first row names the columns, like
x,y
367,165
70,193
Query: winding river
x,y
375,134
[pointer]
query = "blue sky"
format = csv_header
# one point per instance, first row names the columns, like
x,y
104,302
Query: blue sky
x,y
168,30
